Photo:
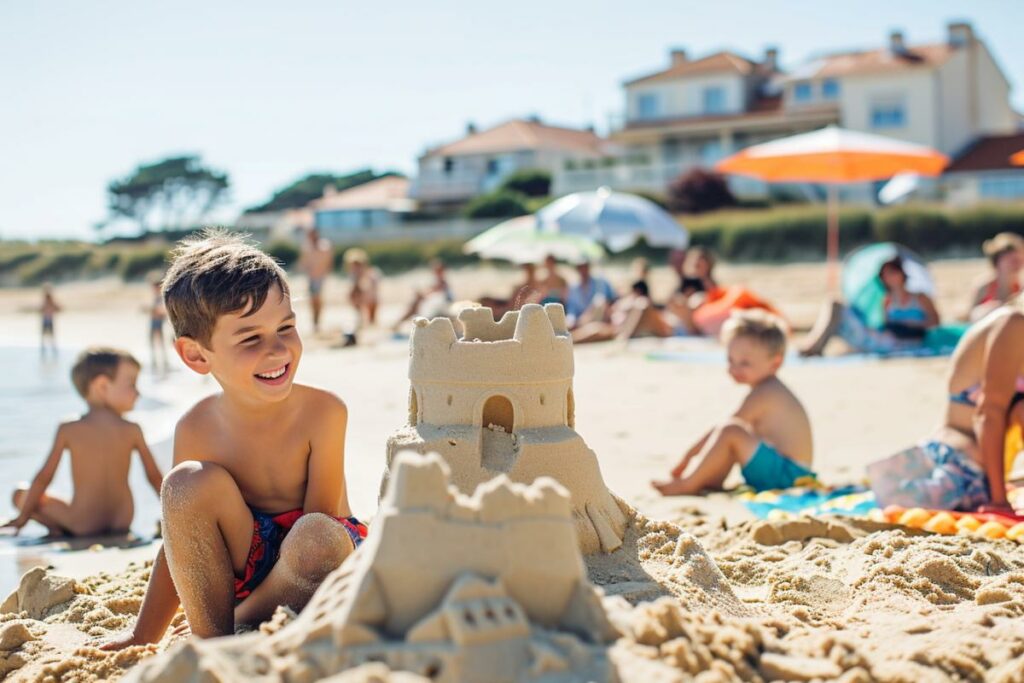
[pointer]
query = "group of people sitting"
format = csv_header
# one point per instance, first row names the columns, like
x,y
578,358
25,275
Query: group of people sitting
x,y
964,465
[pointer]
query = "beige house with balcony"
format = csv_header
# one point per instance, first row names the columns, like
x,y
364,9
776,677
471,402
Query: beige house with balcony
x,y
452,174
697,111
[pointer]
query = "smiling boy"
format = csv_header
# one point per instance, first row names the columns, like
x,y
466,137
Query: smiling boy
x,y
769,436
255,511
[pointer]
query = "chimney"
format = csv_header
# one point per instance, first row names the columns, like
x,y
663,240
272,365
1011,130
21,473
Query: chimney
x,y
896,44
534,118
470,128
678,56
959,33
771,59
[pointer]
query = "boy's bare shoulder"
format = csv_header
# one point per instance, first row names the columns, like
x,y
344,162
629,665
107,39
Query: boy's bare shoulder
x,y
319,402
197,416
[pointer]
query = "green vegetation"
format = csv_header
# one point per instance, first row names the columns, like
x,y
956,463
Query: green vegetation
x,y
530,182
498,204
176,192
306,189
778,234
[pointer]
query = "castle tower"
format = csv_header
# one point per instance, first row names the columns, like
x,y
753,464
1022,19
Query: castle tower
x,y
499,400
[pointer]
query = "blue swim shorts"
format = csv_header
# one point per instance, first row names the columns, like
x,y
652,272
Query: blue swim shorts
x,y
768,469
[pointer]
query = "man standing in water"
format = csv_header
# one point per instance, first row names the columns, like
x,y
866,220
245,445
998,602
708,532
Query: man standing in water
x,y
316,262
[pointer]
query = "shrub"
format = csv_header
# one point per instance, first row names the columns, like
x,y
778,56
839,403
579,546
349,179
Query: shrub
x,y
497,204
12,261
529,182
697,191
59,265
285,253
137,264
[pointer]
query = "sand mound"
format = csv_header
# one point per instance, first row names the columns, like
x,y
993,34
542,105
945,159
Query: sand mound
x,y
50,626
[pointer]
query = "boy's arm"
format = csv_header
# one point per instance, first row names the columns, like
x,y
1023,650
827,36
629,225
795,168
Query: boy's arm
x,y
325,487
40,482
148,462
678,470
1004,355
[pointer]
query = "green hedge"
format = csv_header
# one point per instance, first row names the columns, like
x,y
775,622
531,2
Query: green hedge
x,y
60,265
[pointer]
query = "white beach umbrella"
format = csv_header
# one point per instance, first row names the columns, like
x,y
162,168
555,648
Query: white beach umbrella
x,y
616,219
520,241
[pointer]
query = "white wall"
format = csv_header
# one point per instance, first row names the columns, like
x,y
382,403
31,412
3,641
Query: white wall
x,y
915,88
685,97
996,115
955,127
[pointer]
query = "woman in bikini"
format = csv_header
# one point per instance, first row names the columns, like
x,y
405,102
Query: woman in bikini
x,y
1005,252
986,395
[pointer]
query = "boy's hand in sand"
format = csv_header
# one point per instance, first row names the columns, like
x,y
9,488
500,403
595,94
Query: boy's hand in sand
x,y
126,639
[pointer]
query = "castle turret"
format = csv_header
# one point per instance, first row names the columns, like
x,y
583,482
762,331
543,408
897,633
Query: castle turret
x,y
499,399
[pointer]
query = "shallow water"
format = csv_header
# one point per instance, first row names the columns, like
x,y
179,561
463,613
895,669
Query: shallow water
x,y
36,394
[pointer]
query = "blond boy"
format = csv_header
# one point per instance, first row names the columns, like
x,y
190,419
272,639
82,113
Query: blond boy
x,y
255,512
101,443
769,436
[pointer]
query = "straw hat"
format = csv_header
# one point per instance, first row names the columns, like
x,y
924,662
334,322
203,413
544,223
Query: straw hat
x,y
356,255
1002,243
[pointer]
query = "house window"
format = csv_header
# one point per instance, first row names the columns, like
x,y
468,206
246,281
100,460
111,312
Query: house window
x,y
714,100
449,165
830,89
711,152
1006,187
647,106
492,167
888,114
802,92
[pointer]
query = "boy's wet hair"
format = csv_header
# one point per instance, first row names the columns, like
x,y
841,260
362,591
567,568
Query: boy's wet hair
x,y
760,326
98,361
213,274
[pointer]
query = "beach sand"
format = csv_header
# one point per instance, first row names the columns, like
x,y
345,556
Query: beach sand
x,y
880,606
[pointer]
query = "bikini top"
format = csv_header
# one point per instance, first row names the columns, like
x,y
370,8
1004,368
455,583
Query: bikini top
x,y
969,396
992,292
910,312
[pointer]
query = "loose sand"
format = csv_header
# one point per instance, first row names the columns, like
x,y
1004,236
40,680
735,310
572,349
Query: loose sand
x,y
793,600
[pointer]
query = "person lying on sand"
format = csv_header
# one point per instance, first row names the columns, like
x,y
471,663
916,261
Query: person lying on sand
x,y
101,443
255,511
769,437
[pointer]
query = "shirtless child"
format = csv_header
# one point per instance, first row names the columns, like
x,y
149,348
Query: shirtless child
x,y
255,512
769,436
101,443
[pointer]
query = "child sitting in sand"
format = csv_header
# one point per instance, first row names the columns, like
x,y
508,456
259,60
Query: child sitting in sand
x,y
101,444
255,512
769,437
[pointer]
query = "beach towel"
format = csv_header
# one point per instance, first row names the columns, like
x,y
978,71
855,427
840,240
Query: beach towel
x,y
853,500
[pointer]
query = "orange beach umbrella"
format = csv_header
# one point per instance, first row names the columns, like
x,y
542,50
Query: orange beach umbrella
x,y
1018,158
833,156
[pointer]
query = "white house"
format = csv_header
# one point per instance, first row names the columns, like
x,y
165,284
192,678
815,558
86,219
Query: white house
x,y
378,203
697,111
451,174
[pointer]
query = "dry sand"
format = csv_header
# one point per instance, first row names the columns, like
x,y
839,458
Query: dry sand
x,y
793,600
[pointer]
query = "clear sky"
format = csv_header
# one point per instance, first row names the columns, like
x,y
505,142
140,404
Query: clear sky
x,y
271,90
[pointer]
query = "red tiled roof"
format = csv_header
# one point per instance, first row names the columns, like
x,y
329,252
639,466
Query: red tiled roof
x,y
882,59
520,134
376,194
991,153
719,62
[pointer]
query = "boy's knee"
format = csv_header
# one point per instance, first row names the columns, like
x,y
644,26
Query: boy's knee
x,y
315,546
18,495
192,479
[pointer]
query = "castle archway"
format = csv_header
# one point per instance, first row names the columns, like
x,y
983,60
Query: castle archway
x,y
498,411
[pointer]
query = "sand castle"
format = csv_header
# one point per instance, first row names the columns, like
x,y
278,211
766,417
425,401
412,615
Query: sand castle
x,y
488,587
499,400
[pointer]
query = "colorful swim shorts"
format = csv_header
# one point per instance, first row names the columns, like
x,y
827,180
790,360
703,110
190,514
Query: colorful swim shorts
x,y
268,533
768,469
931,475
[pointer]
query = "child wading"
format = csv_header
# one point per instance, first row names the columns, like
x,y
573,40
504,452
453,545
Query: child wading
x,y
255,512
